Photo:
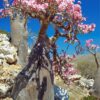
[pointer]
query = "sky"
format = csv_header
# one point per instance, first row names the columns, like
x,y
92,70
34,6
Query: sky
x,y
90,9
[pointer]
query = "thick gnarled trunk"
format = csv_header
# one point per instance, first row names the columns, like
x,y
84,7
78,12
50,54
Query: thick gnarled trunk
x,y
31,91
35,80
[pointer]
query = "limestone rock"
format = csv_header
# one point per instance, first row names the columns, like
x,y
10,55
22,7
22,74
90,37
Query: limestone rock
x,y
3,89
7,51
88,83
2,56
74,77
3,37
1,62
10,58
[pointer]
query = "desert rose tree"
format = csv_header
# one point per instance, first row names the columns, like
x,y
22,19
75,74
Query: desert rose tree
x,y
92,49
67,20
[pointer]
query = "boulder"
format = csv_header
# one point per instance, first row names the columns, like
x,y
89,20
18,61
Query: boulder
x,y
7,50
3,89
2,56
10,58
3,37
88,83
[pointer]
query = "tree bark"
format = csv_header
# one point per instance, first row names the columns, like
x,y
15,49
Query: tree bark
x,y
39,72
96,60
35,81
19,37
95,90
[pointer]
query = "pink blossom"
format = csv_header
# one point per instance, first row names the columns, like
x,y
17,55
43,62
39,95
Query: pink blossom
x,y
1,10
88,42
92,27
93,46
67,8
62,6
79,2
65,41
86,28
77,8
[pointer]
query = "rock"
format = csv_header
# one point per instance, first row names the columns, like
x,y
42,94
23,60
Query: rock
x,y
8,53
29,50
4,43
1,62
14,73
1,72
88,83
2,56
5,64
7,98
60,94
8,50
10,58
3,37
3,89
74,77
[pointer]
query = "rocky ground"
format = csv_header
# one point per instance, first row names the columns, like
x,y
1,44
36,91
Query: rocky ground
x,y
8,67
9,70
75,91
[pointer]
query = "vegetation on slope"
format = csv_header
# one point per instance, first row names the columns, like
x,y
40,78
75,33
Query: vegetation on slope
x,y
86,65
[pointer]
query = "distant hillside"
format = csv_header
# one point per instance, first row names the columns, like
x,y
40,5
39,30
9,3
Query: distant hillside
x,y
3,32
86,65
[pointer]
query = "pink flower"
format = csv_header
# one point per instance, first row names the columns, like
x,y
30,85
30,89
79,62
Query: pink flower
x,y
93,46
92,27
88,42
62,6
65,41
79,2
77,8
1,10
86,28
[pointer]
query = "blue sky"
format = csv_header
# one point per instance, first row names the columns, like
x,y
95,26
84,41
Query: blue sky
x,y
91,10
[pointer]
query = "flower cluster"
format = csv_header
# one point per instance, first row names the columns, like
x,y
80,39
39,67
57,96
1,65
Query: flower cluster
x,y
64,11
32,5
66,68
91,46
86,28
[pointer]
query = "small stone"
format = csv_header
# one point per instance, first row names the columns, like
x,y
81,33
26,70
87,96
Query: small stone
x,y
2,56
10,59
3,37
1,62
3,89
